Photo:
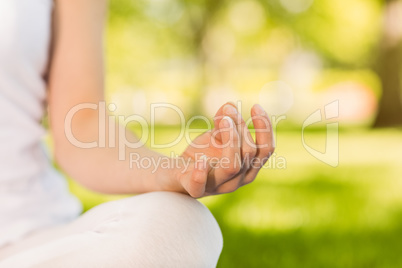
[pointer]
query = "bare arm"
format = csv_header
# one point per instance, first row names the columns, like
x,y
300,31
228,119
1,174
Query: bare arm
x,y
76,77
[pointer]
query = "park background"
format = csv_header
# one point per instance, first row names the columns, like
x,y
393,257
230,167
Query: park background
x,y
293,57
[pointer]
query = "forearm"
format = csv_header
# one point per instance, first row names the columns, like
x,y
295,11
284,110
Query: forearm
x,y
77,77
114,167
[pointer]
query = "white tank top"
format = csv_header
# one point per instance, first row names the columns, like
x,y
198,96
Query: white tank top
x,y
33,194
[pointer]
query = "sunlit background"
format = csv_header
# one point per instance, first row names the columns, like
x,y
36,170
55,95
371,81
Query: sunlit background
x,y
314,206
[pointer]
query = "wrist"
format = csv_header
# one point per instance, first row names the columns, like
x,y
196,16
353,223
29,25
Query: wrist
x,y
171,175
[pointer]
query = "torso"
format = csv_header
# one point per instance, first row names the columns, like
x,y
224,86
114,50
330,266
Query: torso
x,y
32,194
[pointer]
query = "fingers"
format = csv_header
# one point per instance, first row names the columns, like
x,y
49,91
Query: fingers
x,y
263,132
221,112
248,148
196,184
230,163
228,109
229,186
242,158
264,141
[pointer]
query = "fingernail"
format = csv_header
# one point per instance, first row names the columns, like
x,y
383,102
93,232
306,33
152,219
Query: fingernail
x,y
259,109
227,121
203,163
234,104
229,109
200,165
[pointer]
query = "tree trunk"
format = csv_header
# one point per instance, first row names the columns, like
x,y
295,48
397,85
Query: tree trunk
x,y
389,67
200,27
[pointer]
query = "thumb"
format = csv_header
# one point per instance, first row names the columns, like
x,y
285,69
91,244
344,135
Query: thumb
x,y
196,183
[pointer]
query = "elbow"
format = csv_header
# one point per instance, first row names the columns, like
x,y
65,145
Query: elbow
x,y
79,166
72,150
61,158
72,166
62,153
65,161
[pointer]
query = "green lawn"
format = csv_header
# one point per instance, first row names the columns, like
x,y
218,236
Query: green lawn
x,y
311,214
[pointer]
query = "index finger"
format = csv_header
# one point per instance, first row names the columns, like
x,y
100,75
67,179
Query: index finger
x,y
263,132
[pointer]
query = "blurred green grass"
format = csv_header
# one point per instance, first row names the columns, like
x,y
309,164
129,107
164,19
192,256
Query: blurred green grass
x,y
311,214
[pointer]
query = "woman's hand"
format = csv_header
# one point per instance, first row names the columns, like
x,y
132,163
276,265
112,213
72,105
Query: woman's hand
x,y
227,157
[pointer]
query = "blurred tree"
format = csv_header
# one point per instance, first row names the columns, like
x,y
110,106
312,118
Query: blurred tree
x,y
201,14
187,30
388,66
344,38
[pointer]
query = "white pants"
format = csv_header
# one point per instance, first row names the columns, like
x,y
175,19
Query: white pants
x,y
159,229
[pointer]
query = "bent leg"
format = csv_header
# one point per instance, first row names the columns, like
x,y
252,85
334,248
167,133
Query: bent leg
x,y
159,229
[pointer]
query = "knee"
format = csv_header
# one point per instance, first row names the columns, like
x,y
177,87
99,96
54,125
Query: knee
x,y
178,225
